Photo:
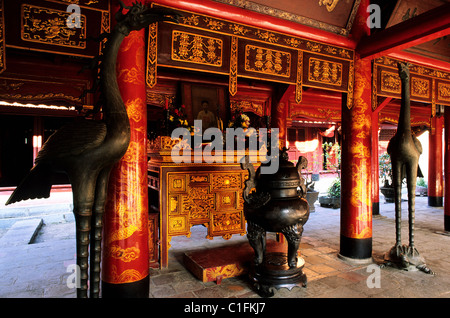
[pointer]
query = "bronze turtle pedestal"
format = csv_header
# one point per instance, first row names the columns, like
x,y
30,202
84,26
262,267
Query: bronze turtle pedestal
x,y
279,205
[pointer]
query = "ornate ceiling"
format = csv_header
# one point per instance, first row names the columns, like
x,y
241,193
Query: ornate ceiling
x,y
335,16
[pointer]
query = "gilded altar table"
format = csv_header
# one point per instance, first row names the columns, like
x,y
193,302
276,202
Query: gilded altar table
x,y
187,194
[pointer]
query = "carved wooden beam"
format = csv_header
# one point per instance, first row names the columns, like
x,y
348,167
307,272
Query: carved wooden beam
x,y
232,13
420,29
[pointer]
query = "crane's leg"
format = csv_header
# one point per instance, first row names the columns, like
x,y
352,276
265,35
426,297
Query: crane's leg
x,y
397,182
411,175
96,231
83,188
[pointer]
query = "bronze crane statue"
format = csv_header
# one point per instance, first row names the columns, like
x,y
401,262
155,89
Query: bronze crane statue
x,y
86,150
405,149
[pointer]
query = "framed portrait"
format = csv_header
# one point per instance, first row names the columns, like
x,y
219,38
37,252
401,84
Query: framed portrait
x,y
204,102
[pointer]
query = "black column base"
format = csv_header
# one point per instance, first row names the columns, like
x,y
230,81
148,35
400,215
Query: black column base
x,y
138,289
375,208
435,201
358,249
447,223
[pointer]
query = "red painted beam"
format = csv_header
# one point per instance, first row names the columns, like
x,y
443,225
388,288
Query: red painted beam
x,y
236,14
422,60
383,104
420,29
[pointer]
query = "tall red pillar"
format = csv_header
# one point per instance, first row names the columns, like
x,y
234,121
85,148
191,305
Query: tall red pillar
x,y
356,190
375,166
447,171
356,168
435,171
125,267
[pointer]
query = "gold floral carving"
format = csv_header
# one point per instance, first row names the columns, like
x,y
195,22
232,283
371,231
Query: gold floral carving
x,y
192,20
420,87
444,91
246,105
238,29
226,181
233,66
194,48
48,26
351,76
390,82
198,203
227,221
266,61
299,82
267,36
152,55
213,24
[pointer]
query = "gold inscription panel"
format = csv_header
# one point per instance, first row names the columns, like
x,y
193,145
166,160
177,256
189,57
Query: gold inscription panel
x,y
325,72
267,61
195,48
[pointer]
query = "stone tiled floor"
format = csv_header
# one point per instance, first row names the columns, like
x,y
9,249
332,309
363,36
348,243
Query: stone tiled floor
x,y
40,269
328,275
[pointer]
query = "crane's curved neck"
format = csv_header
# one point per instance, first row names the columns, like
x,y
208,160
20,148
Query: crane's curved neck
x,y
404,120
114,111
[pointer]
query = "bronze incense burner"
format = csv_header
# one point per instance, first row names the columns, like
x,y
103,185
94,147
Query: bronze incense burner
x,y
279,205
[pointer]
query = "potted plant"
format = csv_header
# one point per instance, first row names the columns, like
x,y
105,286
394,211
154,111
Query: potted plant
x,y
421,187
333,197
387,189
311,195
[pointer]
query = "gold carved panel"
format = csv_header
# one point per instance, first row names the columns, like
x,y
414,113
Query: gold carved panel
x,y
178,225
177,183
210,198
198,203
48,26
390,82
324,72
226,201
420,87
221,181
443,91
174,207
267,61
196,48
227,222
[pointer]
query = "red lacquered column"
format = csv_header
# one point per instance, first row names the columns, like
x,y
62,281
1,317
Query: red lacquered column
x,y
356,190
375,166
125,245
356,165
435,172
447,168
